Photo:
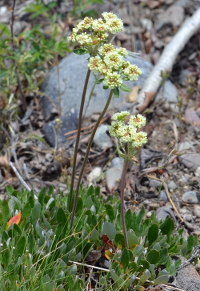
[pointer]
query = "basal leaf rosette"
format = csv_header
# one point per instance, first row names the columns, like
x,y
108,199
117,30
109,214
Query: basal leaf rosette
x,y
128,132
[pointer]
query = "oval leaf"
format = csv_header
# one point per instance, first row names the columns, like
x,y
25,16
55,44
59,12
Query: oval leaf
x,y
109,230
153,233
153,257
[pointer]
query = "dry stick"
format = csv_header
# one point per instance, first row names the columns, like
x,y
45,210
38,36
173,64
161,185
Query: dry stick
x,y
77,140
86,156
20,178
188,29
16,67
122,186
168,196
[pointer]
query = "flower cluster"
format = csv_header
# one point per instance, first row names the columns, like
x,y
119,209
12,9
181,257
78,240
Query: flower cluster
x,y
90,32
127,132
105,59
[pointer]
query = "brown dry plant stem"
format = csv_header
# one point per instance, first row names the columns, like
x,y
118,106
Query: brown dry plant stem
x,y
86,157
24,105
70,199
122,186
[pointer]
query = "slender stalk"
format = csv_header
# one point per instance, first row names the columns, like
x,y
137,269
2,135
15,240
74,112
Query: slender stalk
x,y
86,156
122,186
70,200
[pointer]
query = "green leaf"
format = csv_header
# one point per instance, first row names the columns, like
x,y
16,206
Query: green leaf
x,y
145,276
80,51
167,227
27,210
79,207
125,258
116,92
20,247
31,243
99,81
36,211
42,195
94,235
153,233
138,250
110,211
109,230
61,217
119,240
125,88
161,280
192,241
153,257
133,240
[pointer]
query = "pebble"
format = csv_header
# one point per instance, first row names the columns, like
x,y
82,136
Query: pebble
x,y
114,173
197,172
172,185
197,210
93,175
101,138
190,160
190,197
163,196
165,211
155,183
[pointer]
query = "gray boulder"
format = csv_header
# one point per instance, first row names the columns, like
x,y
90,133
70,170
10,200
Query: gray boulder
x,y
64,84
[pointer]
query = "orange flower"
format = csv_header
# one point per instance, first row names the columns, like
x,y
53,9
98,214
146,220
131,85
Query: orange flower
x,y
15,219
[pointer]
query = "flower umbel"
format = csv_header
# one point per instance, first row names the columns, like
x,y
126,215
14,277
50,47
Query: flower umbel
x,y
130,139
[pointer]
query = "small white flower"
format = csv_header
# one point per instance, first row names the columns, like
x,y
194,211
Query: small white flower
x,y
137,121
113,80
113,60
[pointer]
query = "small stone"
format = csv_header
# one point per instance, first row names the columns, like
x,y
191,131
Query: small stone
x,y
113,177
190,197
94,174
164,212
163,196
190,160
146,202
101,138
197,172
172,185
117,163
197,210
155,183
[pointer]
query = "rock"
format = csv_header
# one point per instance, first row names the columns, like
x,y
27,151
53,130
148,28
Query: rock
x,y
190,197
59,127
167,93
113,175
65,82
101,138
184,75
190,160
191,116
165,211
117,163
93,175
197,210
155,183
172,185
185,145
163,196
197,172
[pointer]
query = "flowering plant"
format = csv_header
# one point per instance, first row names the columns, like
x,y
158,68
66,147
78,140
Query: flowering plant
x,y
93,36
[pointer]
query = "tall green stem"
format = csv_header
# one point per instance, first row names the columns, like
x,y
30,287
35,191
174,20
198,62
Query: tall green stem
x,y
122,186
86,156
70,200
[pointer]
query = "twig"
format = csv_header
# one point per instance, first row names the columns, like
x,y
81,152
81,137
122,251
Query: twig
x,y
153,82
90,266
20,178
